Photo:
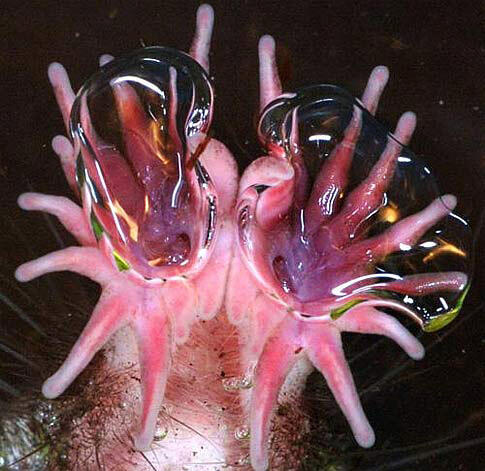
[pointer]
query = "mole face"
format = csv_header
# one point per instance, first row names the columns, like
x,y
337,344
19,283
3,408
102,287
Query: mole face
x,y
220,292
138,126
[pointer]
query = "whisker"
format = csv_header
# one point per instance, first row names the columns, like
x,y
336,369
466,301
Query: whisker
x,y
7,280
430,453
28,455
21,313
17,355
8,388
187,426
147,460
388,376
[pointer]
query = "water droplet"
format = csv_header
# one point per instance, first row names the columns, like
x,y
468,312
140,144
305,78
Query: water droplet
x,y
242,433
244,461
236,383
160,433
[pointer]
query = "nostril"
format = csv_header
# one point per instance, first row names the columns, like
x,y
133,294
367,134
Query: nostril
x,y
162,249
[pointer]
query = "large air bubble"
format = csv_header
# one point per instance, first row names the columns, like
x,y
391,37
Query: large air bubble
x,y
367,220
139,125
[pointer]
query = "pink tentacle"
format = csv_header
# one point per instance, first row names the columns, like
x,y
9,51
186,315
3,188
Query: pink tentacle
x,y
138,137
368,195
411,229
428,283
134,120
109,315
172,114
62,90
202,37
152,329
332,179
65,98
119,175
274,202
368,320
403,234
375,86
302,178
269,80
62,146
139,163
87,261
70,215
324,349
279,355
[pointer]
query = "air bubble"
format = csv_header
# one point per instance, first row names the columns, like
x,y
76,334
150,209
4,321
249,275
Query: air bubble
x,y
139,126
237,383
367,220
242,433
160,434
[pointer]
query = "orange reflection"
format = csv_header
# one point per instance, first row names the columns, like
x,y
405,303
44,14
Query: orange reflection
x,y
160,148
130,222
444,247
389,213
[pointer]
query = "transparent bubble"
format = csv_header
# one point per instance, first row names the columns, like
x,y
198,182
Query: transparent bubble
x,y
366,222
139,125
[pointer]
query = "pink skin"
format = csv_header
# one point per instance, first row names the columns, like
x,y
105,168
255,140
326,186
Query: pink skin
x,y
161,312
278,329
286,327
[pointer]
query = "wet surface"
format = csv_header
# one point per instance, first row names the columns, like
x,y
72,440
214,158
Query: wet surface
x,y
436,58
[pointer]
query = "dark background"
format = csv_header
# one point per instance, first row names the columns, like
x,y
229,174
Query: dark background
x,y
435,51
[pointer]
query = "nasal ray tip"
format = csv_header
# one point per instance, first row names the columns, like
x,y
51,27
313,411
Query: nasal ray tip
x,y
21,273
449,201
50,389
203,33
267,45
418,353
143,440
205,14
367,438
56,73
